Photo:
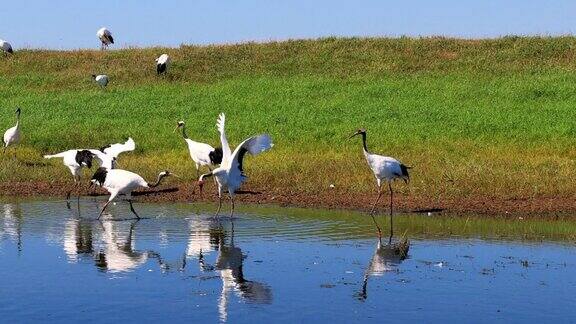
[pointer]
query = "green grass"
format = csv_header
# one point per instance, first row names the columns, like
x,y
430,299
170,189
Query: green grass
x,y
412,226
473,117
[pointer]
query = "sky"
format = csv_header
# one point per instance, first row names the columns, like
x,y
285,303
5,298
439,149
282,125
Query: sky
x,y
59,24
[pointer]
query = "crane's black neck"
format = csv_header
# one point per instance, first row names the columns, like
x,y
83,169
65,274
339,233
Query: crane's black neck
x,y
364,142
158,181
184,132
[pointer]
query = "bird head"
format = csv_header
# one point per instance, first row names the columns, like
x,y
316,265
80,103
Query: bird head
x,y
18,111
358,132
99,177
178,125
167,173
94,76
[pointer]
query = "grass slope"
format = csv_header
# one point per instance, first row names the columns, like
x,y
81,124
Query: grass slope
x,y
494,118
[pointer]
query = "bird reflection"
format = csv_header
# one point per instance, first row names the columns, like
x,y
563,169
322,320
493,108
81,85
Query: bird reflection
x,y
386,258
119,254
229,263
78,239
12,224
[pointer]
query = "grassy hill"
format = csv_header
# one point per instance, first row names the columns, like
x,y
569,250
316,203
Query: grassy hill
x,y
486,118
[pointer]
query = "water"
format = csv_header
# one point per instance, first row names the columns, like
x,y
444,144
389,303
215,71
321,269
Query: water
x,y
277,265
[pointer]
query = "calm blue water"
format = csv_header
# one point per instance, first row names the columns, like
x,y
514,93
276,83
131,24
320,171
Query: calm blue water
x,y
180,264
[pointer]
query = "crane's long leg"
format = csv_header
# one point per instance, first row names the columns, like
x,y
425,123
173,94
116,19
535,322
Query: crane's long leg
x,y
219,205
391,214
112,196
103,209
132,208
372,213
232,210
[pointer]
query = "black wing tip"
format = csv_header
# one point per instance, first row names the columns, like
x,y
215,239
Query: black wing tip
x,y
10,51
405,175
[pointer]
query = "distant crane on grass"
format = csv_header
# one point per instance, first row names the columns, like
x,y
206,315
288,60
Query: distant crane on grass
x,y
101,79
105,37
12,135
6,47
162,64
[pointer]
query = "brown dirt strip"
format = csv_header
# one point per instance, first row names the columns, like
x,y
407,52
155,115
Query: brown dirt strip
x,y
490,206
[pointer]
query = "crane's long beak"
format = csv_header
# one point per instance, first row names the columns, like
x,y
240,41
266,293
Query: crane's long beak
x,y
353,135
175,129
174,175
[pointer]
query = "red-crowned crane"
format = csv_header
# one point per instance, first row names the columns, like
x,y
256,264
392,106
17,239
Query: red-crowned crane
x,y
162,64
201,153
12,134
76,159
387,169
105,37
6,47
101,79
230,174
122,182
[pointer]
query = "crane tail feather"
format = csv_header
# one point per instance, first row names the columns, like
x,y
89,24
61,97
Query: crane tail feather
x,y
405,175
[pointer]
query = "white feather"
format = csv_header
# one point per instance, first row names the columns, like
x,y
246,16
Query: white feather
x,y
226,152
115,149
163,59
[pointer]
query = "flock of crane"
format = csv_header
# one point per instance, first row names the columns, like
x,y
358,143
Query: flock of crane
x,y
225,165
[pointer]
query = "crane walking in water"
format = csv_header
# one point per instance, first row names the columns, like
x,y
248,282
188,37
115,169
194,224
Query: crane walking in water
x,y
387,169
12,135
230,174
122,182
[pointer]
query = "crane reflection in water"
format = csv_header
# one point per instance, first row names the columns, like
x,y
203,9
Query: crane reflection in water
x,y
12,224
385,258
106,243
112,247
229,264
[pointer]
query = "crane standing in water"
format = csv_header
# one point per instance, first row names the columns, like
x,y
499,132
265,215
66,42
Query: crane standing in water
x,y
387,169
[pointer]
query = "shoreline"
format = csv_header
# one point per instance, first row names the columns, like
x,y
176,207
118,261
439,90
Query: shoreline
x,y
538,207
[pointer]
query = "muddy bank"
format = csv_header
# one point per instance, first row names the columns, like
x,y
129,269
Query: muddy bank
x,y
534,207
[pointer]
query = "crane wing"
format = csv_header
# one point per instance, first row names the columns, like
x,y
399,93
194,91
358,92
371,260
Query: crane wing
x,y
253,145
114,150
226,152
105,160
